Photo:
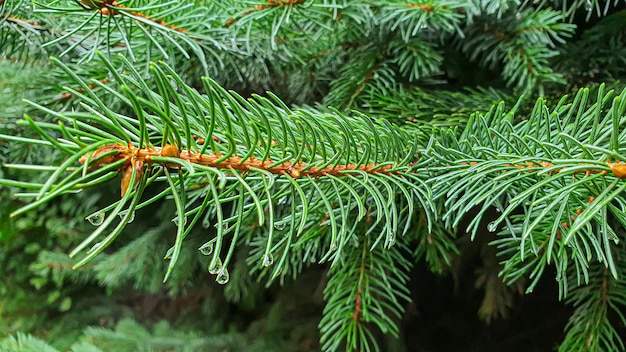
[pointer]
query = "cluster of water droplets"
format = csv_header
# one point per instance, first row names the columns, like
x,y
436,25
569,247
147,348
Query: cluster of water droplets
x,y
216,267
96,219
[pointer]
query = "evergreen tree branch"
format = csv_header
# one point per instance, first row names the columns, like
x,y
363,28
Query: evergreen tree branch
x,y
283,152
523,42
573,187
596,304
281,188
139,29
364,291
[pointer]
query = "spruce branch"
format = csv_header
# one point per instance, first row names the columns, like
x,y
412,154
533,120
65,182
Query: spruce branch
x,y
129,335
414,18
435,244
598,306
491,7
556,166
605,62
283,151
290,187
588,7
22,32
365,291
140,30
24,342
523,43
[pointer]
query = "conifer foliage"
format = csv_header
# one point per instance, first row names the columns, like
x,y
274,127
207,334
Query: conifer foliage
x,y
270,138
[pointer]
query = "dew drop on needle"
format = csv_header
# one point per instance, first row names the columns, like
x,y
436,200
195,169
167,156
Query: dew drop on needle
x,y
215,266
96,219
223,276
207,248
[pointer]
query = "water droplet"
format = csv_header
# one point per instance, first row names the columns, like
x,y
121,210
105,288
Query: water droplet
x,y
131,218
588,5
391,240
225,226
215,266
206,223
282,201
498,210
268,260
492,226
280,225
95,246
96,219
207,248
223,276
175,220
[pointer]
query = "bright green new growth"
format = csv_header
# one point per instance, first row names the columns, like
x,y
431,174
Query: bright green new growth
x,y
359,190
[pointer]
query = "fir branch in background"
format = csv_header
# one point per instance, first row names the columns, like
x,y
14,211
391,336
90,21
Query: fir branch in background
x,y
366,290
129,336
22,32
165,31
591,8
418,107
522,43
605,63
436,245
413,19
599,310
